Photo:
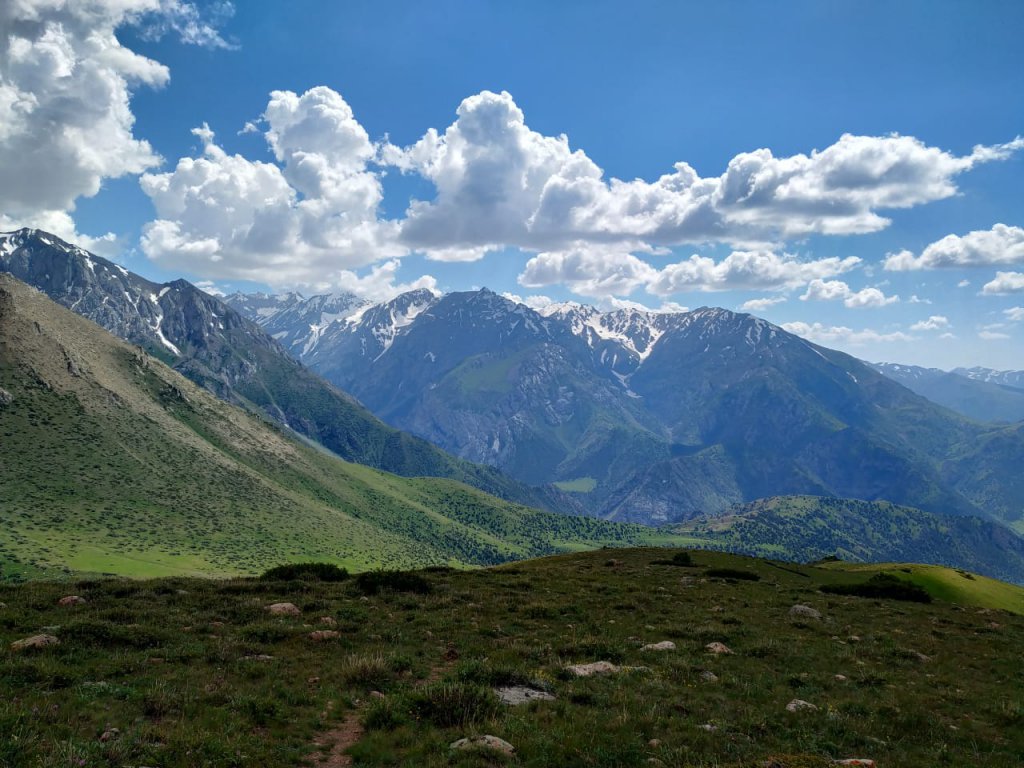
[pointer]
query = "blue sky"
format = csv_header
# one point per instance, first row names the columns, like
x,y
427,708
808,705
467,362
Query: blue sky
x,y
902,242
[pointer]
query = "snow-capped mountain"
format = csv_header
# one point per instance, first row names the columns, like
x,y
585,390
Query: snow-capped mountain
x,y
652,417
295,321
978,393
215,346
1013,379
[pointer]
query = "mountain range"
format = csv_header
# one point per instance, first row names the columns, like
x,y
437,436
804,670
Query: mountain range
x,y
653,417
978,393
234,358
114,462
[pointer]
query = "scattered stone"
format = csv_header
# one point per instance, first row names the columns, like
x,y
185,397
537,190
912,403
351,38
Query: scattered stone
x,y
920,656
258,657
859,761
36,641
216,623
312,680
707,676
284,609
841,678
593,668
327,620
654,743
321,635
664,645
514,695
376,695
716,609
853,639
804,612
799,705
484,742
709,727
110,734
717,647
72,600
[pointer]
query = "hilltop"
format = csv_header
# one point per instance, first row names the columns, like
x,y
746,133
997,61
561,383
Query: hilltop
x,y
184,672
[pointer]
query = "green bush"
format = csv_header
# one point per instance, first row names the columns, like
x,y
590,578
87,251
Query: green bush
x,y
882,586
452,705
306,572
373,582
733,573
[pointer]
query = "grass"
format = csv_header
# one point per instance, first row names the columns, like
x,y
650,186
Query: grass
x,y
195,672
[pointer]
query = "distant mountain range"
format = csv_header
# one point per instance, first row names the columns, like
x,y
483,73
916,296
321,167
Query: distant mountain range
x,y
651,417
213,345
978,393
113,462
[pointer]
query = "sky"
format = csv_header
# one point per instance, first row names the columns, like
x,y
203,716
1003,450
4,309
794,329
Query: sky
x,y
849,170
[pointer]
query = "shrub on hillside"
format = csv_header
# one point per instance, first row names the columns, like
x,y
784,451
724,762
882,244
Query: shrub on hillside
x,y
372,582
883,586
732,573
306,572
680,559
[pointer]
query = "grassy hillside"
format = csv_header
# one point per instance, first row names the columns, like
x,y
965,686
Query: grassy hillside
x,y
198,673
805,528
114,463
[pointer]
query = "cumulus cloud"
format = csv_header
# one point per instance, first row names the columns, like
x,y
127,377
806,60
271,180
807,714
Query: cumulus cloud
x,y
312,213
933,323
66,81
837,290
827,335
596,271
379,283
1014,314
1004,283
536,301
497,180
746,270
760,305
999,246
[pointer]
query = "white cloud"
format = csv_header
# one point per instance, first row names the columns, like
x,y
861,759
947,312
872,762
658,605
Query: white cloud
x,y
1002,245
827,335
915,299
192,24
596,271
66,82
611,303
760,305
837,290
536,301
963,284
312,214
993,335
933,323
379,284
1014,314
497,180
745,270
1004,283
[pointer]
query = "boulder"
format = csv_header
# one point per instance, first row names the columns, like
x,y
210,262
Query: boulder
x,y
664,645
707,676
513,695
484,742
321,635
799,705
72,600
717,647
284,609
258,657
593,668
36,641
328,621
804,612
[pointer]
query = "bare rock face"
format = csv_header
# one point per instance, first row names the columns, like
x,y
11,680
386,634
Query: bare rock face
x,y
322,635
804,612
284,609
484,742
799,705
664,645
514,695
36,641
593,668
